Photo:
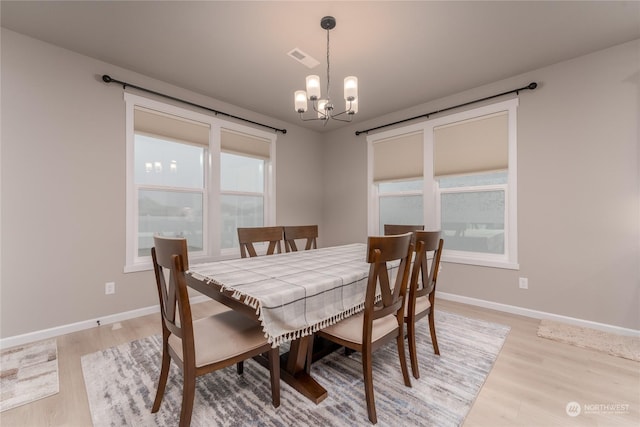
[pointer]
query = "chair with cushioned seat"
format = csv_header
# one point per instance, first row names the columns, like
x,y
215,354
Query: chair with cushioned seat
x,y
204,345
382,321
422,290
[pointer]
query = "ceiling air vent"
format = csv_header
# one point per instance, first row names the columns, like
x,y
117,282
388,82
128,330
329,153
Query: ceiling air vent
x,y
303,58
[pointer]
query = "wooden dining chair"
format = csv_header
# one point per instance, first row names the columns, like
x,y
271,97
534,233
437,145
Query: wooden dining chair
x,y
204,345
309,233
422,291
380,321
250,235
392,229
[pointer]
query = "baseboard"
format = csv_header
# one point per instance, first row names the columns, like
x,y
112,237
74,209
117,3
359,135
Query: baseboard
x,y
85,324
119,317
538,314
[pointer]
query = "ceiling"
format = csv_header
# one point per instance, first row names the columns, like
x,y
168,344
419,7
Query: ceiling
x,y
403,53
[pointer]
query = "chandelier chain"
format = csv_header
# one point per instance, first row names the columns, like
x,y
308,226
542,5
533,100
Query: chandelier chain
x,y
328,70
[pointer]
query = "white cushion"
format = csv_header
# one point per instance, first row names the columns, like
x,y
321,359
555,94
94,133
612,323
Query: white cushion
x,y
222,336
422,304
350,329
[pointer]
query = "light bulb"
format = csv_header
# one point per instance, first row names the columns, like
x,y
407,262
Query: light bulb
x,y
300,101
313,87
350,88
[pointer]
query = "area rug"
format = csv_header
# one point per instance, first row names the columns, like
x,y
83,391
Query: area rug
x,y
28,373
624,346
121,385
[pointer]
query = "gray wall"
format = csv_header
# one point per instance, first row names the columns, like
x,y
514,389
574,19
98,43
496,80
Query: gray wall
x,y
63,186
578,190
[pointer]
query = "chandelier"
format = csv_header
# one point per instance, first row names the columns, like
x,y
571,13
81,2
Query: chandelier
x,y
324,106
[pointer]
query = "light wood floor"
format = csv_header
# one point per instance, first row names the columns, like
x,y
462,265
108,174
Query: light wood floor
x,y
530,384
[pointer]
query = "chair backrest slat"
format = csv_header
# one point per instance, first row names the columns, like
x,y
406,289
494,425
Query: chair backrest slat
x,y
392,229
426,242
308,232
250,235
171,254
380,251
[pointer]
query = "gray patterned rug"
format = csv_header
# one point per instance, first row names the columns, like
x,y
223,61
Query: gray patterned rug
x,y
27,373
121,385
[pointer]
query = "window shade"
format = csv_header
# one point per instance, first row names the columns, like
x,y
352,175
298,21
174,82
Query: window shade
x,y
476,145
398,158
244,144
169,126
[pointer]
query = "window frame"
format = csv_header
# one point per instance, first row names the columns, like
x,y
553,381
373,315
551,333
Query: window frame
x,y
432,192
211,192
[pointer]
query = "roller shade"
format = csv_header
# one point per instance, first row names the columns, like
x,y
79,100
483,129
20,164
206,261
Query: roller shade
x,y
169,126
470,146
242,143
398,158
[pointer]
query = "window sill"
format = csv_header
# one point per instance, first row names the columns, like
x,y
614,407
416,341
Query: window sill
x,y
481,262
148,265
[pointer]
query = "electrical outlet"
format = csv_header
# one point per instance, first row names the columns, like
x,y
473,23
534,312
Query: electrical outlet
x,y
523,282
109,288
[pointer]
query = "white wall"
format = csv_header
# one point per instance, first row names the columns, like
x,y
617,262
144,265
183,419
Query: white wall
x,y
578,190
63,186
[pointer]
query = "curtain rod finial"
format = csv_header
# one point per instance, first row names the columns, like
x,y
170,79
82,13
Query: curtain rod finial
x,y
532,85
106,78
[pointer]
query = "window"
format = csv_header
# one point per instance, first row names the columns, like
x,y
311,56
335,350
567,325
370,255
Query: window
x,y
468,180
169,181
242,185
397,181
194,176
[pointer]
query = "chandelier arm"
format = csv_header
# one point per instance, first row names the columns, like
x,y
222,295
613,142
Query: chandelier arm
x,y
324,113
346,111
324,117
335,116
311,119
343,120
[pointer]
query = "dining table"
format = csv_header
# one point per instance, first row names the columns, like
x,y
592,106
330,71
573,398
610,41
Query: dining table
x,y
292,295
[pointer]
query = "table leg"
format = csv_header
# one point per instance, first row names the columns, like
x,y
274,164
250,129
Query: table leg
x,y
293,370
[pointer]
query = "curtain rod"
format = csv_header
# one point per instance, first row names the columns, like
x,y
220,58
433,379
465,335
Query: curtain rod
x,y
107,79
530,86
